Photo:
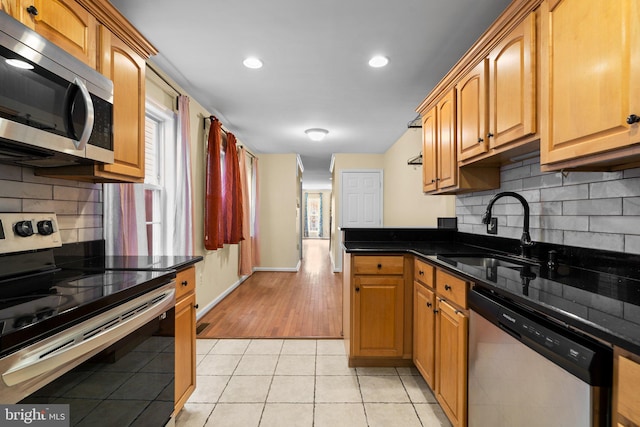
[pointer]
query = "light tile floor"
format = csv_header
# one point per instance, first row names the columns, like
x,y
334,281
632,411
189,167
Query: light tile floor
x,y
307,383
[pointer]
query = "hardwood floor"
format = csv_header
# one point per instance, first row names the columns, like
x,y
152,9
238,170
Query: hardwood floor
x,y
306,304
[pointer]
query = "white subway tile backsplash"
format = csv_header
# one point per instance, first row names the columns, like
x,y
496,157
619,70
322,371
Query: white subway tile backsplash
x,y
599,210
621,188
593,207
78,205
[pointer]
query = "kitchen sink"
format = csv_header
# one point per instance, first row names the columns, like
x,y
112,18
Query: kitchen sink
x,y
480,260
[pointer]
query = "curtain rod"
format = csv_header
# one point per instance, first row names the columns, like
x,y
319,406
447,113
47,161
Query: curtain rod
x,y
164,80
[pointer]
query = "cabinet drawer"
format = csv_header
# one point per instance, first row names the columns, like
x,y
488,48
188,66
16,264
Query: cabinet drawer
x,y
423,273
378,264
628,397
185,282
451,288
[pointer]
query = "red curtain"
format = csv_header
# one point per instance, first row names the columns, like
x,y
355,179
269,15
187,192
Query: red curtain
x,y
232,193
213,213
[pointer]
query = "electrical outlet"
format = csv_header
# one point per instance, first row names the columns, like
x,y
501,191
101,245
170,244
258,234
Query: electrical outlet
x,y
492,227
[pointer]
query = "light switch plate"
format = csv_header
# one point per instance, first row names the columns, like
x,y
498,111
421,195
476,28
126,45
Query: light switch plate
x,y
492,227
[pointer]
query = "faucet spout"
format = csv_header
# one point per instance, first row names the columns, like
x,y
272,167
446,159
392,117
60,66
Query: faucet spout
x,y
525,241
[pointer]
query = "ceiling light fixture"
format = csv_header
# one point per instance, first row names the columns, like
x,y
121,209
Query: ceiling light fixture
x,y
18,63
378,61
252,62
316,134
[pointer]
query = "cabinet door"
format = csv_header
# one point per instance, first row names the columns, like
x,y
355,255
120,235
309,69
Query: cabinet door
x,y
429,151
185,333
589,87
512,85
127,71
451,362
65,23
447,163
378,316
472,112
424,329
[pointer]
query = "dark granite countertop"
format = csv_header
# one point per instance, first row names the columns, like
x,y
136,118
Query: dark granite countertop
x,y
596,292
133,263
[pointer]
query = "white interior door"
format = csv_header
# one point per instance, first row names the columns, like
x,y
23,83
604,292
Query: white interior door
x,y
361,199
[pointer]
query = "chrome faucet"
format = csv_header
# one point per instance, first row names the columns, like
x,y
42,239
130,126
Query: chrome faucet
x,y
525,240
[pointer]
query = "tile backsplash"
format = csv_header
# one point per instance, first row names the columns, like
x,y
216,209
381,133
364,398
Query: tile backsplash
x,y
77,205
598,210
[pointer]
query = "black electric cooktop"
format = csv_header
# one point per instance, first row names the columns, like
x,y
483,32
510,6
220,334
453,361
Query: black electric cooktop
x,y
34,307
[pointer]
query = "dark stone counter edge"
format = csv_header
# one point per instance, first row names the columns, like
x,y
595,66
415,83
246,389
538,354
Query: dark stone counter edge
x,y
427,254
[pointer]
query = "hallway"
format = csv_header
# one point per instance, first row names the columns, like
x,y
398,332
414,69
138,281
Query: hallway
x,y
306,304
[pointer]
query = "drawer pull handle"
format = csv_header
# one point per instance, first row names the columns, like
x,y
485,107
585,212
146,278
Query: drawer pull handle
x,y
185,283
447,287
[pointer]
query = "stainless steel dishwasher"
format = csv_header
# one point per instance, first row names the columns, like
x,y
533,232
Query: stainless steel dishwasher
x,y
525,370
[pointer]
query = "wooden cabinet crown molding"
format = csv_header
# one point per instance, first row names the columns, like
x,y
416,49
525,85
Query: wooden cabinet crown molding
x,y
111,18
516,12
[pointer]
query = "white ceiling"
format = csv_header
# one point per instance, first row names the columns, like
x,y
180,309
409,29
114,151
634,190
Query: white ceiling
x,y
315,73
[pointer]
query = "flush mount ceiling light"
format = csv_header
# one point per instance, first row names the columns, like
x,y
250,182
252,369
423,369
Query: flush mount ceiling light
x,y
378,61
316,134
19,64
252,62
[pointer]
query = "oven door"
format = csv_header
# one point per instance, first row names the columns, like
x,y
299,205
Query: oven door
x,y
115,369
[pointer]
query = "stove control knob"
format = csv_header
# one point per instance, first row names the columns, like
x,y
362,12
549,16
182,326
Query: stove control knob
x,y
23,228
45,227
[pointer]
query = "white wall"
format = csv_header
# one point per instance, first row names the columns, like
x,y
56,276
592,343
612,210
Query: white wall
x,y
405,205
279,191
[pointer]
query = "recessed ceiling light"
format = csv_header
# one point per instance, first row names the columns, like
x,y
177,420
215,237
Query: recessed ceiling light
x,y
378,61
316,134
19,64
252,62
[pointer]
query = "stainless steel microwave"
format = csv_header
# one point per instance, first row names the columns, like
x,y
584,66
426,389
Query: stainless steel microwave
x,y
54,109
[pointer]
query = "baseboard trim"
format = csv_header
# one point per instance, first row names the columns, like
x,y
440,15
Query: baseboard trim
x,y
282,269
220,297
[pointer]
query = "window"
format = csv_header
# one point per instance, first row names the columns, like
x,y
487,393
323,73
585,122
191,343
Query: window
x,y
160,142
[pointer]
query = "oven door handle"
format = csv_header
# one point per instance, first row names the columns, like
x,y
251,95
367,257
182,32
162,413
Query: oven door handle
x,y
82,341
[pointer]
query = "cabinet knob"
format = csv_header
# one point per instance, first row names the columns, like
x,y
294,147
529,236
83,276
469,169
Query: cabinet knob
x,y
31,10
379,266
632,119
429,304
184,283
433,180
489,135
197,306
447,287
421,273
357,289
480,140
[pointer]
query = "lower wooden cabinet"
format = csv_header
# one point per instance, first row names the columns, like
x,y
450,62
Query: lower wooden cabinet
x,y
185,336
378,316
424,332
452,326
626,411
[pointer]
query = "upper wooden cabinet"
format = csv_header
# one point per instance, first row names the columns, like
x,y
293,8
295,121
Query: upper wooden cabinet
x,y
497,98
64,22
473,117
512,85
590,88
439,169
126,69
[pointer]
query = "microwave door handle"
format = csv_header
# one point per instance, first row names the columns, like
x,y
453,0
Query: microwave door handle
x,y
77,84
